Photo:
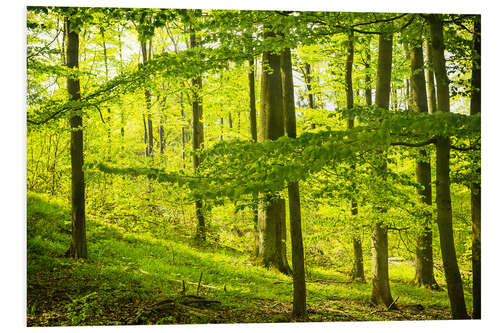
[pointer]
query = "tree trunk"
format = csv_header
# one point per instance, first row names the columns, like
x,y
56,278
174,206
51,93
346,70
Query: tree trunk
x,y
475,108
271,245
381,293
368,78
161,129
183,131
78,248
162,138
148,126
253,132
358,272
431,87
357,268
299,280
310,95
145,134
443,197
251,89
424,274
197,141
122,113
108,120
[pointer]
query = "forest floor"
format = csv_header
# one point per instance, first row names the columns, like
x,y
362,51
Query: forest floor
x,y
136,278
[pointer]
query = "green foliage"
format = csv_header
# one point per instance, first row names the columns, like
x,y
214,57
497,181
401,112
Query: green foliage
x,y
131,269
139,210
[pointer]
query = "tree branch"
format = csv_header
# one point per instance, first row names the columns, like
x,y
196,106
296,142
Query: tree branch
x,y
414,144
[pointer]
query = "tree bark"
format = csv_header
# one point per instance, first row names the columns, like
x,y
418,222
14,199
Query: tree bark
x,y
271,216
122,113
431,86
183,131
424,273
78,248
368,78
299,280
161,129
381,293
197,141
443,197
310,95
148,122
251,90
253,133
357,268
108,120
475,108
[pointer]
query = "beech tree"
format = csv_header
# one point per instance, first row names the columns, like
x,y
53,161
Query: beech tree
x,y
198,137
357,269
299,279
443,199
272,250
475,191
424,264
381,292
78,248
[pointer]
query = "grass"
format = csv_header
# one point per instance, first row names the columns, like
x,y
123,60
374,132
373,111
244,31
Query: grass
x,y
133,278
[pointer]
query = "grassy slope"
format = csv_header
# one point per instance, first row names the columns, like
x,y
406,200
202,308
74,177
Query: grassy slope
x,y
137,278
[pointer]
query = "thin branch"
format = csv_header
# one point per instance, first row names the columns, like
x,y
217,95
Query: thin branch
x,y
379,21
465,148
416,144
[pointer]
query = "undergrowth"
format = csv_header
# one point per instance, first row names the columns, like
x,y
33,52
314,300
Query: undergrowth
x,y
145,278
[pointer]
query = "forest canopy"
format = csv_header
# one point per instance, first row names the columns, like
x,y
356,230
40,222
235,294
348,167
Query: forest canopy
x,y
163,144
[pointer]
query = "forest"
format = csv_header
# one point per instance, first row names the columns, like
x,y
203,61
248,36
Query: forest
x,y
196,166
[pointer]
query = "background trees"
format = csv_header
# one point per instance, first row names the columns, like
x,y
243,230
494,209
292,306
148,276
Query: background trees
x,y
315,71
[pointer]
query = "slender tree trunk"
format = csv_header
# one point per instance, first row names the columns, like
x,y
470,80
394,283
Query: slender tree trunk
x,y
162,138
394,97
381,293
148,127
78,247
358,272
431,86
253,132
443,197
197,141
408,93
108,120
271,216
299,280
183,132
310,95
161,129
221,137
424,274
145,134
357,269
122,113
475,108
368,78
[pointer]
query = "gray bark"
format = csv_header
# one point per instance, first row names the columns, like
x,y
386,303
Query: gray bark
x,y
78,248
443,197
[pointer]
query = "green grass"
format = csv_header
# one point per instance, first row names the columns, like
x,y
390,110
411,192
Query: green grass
x,y
139,269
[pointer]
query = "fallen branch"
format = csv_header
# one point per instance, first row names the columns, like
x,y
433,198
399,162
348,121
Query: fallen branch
x,y
195,284
328,281
388,308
